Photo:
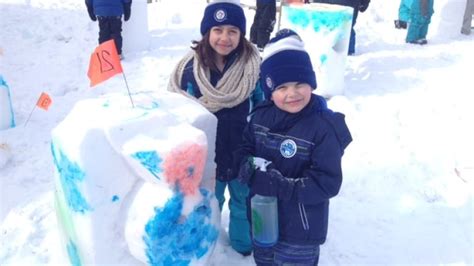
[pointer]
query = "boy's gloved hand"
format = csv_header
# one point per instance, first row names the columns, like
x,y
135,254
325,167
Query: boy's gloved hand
x,y
264,184
127,11
90,10
248,168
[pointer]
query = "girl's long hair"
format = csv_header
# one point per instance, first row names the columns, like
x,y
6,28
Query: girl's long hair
x,y
207,54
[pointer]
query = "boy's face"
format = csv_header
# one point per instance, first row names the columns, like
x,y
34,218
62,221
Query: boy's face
x,y
292,97
224,39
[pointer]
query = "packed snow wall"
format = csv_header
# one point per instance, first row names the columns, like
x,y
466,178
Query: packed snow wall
x,y
135,185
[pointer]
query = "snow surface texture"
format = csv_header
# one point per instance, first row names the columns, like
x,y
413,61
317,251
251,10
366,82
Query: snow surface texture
x,y
406,198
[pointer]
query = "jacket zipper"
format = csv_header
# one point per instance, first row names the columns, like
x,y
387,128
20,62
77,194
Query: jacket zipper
x,y
304,219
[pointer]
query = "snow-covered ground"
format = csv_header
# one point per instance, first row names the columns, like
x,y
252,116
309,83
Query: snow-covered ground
x,y
407,195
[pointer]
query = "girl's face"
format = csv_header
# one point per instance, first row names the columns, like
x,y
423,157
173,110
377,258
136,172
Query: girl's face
x,y
292,97
224,39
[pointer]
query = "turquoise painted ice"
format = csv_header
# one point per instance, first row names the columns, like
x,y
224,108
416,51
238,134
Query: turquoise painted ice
x,y
70,175
3,83
319,19
150,160
73,254
172,240
323,58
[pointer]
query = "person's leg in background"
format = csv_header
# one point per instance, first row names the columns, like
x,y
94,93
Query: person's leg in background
x,y
104,29
352,39
116,32
467,19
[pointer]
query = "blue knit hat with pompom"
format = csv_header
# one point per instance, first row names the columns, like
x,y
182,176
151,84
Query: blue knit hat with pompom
x,y
220,12
285,60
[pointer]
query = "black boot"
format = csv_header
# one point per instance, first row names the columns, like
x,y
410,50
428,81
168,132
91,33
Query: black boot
x,y
400,24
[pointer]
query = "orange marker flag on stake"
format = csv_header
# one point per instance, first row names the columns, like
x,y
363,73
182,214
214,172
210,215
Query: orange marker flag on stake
x,y
44,101
104,63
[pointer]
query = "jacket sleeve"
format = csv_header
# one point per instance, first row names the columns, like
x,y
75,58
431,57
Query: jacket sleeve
x,y
242,167
364,4
127,10
90,9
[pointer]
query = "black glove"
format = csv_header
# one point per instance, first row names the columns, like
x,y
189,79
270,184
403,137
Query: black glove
x,y
364,5
90,10
127,11
246,171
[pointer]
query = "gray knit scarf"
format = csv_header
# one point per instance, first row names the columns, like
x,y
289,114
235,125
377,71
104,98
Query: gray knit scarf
x,y
232,89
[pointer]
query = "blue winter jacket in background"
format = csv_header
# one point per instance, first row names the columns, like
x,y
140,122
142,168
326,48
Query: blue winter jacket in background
x,y
107,8
230,121
311,171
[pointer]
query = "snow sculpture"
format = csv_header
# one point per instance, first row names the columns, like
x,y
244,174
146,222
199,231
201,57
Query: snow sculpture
x,y
135,31
136,184
325,30
6,110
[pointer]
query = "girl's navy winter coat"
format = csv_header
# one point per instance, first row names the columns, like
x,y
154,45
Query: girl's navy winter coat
x,y
107,8
310,171
230,121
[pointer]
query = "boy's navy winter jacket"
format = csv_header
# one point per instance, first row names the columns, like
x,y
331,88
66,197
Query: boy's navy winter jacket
x,y
107,8
230,121
305,149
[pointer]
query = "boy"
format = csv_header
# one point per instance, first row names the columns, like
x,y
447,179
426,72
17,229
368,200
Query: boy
x,y
301,143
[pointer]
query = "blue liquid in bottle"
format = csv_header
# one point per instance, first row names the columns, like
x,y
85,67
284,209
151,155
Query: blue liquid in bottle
x,y
264,220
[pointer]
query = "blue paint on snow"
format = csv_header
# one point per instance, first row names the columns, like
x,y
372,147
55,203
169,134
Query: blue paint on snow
x,y
319,19
4,84
73,254
70,174
115,198
150,160
174,240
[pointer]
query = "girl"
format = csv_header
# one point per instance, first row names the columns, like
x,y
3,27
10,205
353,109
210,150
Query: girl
x,y
221,72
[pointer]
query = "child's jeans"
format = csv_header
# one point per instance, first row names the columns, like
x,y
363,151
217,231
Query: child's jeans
x,y
287,254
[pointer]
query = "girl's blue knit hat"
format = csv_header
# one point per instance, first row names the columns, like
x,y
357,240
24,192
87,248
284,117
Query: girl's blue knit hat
x,y
220,12
285,60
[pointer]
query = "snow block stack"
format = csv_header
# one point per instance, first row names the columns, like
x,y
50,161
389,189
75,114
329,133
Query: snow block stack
x,y
136,184
6,110
325,30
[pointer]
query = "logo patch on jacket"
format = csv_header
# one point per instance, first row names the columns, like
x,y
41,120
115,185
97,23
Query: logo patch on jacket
x,y
288,148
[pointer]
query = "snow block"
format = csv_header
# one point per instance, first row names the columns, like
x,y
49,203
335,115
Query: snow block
x,y
136,185
325,30
7,119
135,31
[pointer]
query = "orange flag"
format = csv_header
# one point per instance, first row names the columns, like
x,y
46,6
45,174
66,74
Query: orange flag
x,y
104,63
44,101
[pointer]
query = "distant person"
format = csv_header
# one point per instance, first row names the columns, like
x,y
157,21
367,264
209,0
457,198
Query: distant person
x,y
301,142
467,20
109,13
221,72
420,18
263,23
403,14
358,5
